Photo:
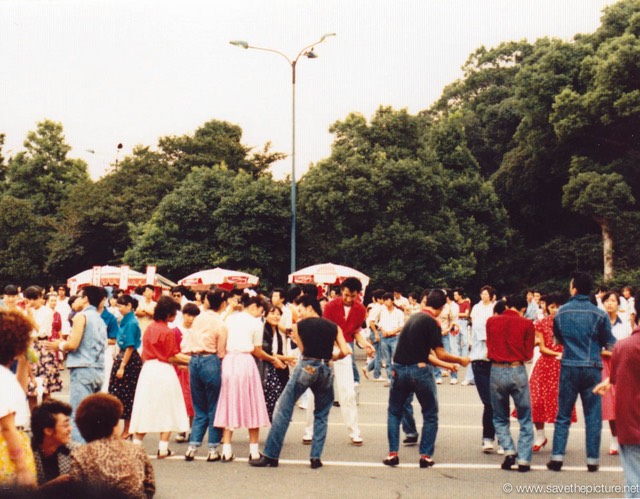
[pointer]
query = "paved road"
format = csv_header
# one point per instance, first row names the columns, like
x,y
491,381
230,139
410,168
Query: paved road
x,y
461,468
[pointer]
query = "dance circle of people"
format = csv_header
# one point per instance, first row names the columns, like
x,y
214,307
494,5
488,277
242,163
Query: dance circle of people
x,y
234,360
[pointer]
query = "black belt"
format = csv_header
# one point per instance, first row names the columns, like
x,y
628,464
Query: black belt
x,y
201,354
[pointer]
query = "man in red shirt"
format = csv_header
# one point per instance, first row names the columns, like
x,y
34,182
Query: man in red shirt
x,y
510,341
348,314
625,375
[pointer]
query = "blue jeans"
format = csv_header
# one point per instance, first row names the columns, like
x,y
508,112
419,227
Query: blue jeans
x,y
408,421
309,373
84,381
356,374
512,382
205,380
376,364
387,349
482,376
459,342
407,380
576,381
446,343
630,455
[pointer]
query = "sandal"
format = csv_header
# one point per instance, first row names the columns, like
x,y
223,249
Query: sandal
x,y
164,456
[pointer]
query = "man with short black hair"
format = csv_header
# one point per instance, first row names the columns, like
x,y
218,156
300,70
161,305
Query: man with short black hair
x,y
510,342
583,330
316,338
348,314
146,306
413,373
51,439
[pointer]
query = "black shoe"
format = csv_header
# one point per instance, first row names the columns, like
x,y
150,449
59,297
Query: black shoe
x,y
263,462
554,465
523,468
410,440
508,462
426,462
316,463
593,467
391,461
336,404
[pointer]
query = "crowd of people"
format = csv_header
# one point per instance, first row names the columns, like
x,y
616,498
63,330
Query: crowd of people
x,y
226,360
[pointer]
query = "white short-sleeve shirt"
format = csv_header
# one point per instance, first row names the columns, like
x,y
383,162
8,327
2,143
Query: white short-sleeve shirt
x,y
12,398
244,332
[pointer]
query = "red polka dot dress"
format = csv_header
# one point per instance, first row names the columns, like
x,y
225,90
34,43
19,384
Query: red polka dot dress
x,y
545,377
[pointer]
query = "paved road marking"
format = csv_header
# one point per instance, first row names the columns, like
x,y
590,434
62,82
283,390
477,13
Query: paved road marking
x,y
361,464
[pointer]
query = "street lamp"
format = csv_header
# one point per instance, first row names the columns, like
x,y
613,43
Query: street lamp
x,y
310,54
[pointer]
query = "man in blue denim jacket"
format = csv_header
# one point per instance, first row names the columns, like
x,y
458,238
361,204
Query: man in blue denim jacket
x,y
583,330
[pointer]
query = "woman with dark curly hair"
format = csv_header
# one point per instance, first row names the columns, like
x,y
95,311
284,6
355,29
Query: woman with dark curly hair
x,y
17,466
108,462
127,364
158,406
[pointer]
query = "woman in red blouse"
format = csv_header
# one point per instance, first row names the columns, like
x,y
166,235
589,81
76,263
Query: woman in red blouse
x,y
158,405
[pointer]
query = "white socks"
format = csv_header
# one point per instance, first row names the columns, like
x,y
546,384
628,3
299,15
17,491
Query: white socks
x,y
254,453
226,450
163,447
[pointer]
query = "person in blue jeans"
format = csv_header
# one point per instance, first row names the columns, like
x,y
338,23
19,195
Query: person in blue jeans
x,y
316,338
510,342
583,330
206,344
412,373
86,346
390,322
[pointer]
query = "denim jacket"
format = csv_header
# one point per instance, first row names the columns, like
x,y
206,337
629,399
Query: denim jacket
x,y
583,330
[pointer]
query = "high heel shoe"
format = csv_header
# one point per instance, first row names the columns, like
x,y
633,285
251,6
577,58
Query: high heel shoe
x,y
538,448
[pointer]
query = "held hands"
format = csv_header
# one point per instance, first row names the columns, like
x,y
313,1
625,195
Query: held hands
x,y
278,364
602,388
51,345
453,368
464,361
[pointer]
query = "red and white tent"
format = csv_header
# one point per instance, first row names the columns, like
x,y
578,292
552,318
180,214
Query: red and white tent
x,y
219,277
326,273
109,275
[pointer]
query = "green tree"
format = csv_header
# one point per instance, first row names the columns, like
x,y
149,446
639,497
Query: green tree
x,y
23,242
217,217
385,202
43,174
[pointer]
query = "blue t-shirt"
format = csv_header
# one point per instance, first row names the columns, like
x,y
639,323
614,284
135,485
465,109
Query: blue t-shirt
x,y
130,334
112,324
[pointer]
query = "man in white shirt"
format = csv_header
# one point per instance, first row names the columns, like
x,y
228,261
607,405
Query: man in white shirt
x,y
373,317
63,308
389,326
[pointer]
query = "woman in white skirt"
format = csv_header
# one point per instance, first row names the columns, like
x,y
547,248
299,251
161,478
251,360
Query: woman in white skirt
x,y
241,403
158,406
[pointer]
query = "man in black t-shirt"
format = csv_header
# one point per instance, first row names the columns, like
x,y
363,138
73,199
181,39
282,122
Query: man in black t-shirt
x,y
316,338
412,373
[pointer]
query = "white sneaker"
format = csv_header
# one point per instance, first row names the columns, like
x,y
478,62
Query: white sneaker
x,y
438,381
453,381
487,446
500,450
465,382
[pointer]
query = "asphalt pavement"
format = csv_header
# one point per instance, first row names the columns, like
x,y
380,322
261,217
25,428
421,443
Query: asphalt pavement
x,y
461,468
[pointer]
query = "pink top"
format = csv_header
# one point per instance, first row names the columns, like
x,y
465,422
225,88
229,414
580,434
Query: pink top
x,y
208,334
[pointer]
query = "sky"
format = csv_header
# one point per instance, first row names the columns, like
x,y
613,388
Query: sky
x,y
133,71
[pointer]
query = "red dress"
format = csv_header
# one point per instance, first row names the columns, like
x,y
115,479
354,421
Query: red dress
x,y
545,377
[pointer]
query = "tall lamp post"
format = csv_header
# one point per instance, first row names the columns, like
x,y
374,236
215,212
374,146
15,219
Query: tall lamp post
x,y
310,54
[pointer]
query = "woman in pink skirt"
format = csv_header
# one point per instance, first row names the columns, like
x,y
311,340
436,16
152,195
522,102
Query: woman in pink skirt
x,y
241,403
620,329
